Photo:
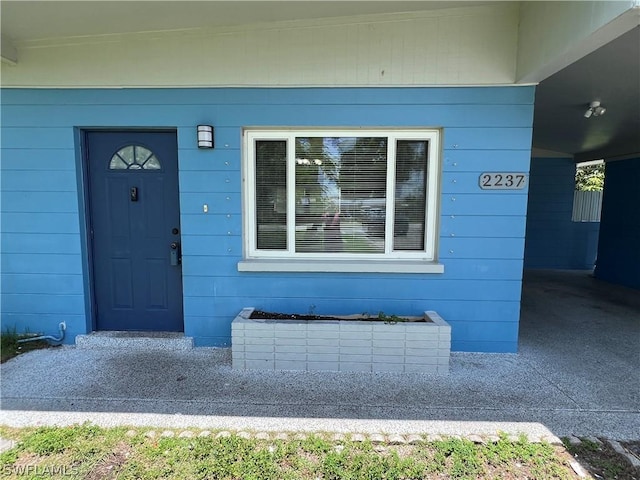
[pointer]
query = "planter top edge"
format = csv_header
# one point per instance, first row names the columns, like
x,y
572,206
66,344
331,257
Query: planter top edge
x,y
430,318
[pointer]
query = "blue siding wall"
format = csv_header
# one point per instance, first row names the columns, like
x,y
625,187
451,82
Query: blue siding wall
x,y
481,232
619,249
552,239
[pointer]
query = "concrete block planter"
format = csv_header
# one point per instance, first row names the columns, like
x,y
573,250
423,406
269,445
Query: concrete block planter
x,y
341,345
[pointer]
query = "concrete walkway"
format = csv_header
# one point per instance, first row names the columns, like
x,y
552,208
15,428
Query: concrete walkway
x,y
577,373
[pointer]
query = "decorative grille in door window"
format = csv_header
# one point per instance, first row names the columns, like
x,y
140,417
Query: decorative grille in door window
x,y
134,157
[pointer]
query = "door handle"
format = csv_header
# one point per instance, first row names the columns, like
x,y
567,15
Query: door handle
x,y
175,254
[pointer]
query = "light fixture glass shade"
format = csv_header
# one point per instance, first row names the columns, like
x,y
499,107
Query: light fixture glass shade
x,y
205,136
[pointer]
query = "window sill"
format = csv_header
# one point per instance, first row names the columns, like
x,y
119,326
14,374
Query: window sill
x,y
352,266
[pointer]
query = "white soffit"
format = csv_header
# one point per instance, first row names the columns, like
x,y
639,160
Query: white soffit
x,y
26,20
554,35
455,46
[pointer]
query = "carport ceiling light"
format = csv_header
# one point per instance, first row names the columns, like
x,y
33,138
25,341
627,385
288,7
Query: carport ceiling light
x,y
595,109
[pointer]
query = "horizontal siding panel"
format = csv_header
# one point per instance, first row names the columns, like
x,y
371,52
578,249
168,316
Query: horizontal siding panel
x,y
198,266
42,284
554,189
211,224
46,323
290,114
220,244
41,263
225,263
229,307
463,345
209,182
39,201
483,204
483,226
41,181
486,161
271,96
40,223
37,137
478,269
218,160
228,203
485,331
112,115
199,245
42,243
212,325
37,159
342,288
464,311
38,303
194,306
487,139
551,204
480,311
377,115
212,341
493,311
479,248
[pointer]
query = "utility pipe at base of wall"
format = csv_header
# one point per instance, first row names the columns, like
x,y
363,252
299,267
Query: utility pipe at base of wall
x,y
62,327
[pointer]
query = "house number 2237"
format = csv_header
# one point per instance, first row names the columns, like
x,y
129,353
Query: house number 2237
x,y
502,181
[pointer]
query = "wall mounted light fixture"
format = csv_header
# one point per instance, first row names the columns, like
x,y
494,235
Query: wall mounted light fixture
x,y
205,136
594,109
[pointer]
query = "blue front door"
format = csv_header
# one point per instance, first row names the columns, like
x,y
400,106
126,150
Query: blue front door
x,y
135,230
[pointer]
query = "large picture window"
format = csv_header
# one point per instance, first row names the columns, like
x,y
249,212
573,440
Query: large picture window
x,y
322,195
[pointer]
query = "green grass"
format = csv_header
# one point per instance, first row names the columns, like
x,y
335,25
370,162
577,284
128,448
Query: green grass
x,y
91,452
602,460
9,346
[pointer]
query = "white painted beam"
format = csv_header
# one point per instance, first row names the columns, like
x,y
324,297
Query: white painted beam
x,y
9,51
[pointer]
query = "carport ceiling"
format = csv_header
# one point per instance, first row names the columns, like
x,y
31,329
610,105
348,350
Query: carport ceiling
x,y
611,75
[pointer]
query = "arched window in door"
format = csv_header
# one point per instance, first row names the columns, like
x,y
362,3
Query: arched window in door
x,y
134,157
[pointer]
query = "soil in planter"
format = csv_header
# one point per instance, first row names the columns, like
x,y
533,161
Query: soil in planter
x,y
260,314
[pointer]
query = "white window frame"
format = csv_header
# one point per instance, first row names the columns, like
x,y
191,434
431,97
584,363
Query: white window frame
x,y
408,261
